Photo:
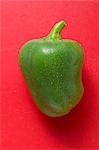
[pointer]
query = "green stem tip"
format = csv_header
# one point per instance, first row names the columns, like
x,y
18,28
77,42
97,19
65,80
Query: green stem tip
x,y
56,30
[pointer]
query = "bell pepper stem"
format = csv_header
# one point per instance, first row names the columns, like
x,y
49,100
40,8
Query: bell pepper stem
x,y
56,30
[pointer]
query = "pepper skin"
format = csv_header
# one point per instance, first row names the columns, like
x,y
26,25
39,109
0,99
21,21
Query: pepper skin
x,y
52,68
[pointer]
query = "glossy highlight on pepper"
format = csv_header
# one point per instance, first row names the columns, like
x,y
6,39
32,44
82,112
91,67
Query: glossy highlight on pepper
x,y
52,68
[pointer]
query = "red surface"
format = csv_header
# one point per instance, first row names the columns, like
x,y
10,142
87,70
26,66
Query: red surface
x,y
23,126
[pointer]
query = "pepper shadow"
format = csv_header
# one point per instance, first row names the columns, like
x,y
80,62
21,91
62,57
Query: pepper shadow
x,y
69,130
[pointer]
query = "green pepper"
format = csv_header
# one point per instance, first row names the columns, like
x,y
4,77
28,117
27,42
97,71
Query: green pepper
x,y
52,68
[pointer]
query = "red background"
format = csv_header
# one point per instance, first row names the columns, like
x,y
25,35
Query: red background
x,y
23,126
